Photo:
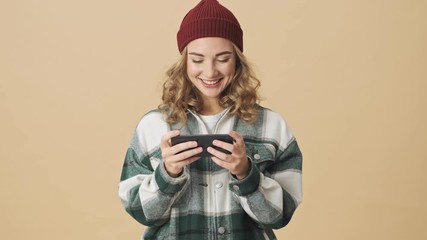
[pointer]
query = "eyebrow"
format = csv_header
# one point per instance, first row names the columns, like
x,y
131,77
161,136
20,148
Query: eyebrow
x,y
217,55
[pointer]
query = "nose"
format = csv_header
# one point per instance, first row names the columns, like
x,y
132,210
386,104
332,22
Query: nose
x,y
210,70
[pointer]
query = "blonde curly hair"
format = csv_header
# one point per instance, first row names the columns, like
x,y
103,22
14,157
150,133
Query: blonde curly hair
x,y
179,93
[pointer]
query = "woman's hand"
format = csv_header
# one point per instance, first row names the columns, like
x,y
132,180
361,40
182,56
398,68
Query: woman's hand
x,y
237,162
175,158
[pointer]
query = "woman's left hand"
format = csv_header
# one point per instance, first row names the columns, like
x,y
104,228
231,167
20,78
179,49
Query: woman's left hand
x,y
237,162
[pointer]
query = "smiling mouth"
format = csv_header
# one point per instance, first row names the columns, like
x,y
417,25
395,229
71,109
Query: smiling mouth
x,y
210,82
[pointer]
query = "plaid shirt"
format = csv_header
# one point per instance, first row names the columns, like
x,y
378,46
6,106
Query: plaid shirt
x,y
206,201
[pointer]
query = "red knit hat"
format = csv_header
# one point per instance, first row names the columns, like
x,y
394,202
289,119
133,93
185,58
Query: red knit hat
x,y
209,19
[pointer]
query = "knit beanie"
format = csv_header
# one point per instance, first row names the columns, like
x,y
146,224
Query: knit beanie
x,y
209,19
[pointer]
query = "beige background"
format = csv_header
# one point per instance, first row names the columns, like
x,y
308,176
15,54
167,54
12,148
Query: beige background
x,y
349,77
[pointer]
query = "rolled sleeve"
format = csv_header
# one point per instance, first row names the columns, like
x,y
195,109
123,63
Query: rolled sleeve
x,y
247,185
167,184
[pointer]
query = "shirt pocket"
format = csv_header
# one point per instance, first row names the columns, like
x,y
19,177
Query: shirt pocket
x,y
262,154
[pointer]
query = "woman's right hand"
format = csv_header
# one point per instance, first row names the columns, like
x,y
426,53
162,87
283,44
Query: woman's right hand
x,y
176,157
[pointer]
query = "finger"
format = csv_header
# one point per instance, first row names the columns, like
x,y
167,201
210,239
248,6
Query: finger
x,y
188,154
165,140
183,156
181,160
239,145
186,162
218,154
237,137
192,159
221,163
183,147
224,145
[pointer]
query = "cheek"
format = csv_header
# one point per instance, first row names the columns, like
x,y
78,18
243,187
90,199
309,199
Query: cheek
x,y
192,70
229,70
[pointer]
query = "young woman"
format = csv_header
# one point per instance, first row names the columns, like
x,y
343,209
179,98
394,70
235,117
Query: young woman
x,y
210,90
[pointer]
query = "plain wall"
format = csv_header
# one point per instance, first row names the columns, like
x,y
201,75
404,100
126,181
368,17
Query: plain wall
x,y
349,77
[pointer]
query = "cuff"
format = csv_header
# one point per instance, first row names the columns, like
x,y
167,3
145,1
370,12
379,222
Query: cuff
x,y
167,184
247,185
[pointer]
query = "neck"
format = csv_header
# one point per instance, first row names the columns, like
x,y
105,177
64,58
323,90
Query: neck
x,y
211,107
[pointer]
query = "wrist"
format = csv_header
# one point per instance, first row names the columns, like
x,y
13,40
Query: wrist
x,y
244,173
172,173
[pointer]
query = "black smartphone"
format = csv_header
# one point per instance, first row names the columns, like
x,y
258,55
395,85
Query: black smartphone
x,y
204,141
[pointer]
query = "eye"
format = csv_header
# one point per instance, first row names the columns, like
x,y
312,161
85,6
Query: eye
x,y
223,60
197,60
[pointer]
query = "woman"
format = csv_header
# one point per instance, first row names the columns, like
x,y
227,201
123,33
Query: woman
x,y
211,89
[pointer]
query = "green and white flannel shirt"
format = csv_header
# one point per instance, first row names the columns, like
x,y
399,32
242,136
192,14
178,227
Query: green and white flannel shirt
x,y
206,201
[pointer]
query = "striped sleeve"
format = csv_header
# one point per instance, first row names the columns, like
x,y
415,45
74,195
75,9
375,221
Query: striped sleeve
x,y
146,190
272,191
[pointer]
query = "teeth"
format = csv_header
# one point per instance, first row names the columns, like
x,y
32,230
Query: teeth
x,y
210,82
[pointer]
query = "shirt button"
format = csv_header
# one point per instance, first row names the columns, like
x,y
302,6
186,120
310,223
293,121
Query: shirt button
x,y
221,230
218,185
235,187
257,156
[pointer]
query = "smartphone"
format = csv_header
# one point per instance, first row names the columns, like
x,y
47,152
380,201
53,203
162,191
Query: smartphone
x,y
204,141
